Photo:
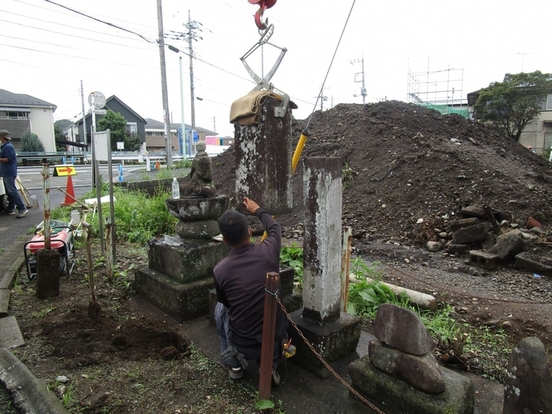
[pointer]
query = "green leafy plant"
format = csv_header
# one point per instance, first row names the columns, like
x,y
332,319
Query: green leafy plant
x,y
264,405
67,398
292,256
347,176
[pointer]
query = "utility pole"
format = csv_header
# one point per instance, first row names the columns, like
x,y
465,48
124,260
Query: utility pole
x,y
164,89
85,140
363,88
192,27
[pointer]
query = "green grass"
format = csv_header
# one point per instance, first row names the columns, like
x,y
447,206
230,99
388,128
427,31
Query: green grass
x,y
138,216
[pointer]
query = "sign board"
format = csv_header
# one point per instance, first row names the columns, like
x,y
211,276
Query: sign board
x,y
64,170
102,144
96,99
120,145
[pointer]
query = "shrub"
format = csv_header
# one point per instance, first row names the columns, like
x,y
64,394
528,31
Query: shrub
x,y
31,143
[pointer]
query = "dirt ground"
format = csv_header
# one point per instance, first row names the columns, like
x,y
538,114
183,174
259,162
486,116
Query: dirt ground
x,y
124,363
406,163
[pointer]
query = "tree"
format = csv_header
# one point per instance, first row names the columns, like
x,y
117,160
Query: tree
x,y
31,143
59,136
515,102
116,123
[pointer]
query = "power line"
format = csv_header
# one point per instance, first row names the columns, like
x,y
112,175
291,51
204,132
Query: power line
x,y
102,21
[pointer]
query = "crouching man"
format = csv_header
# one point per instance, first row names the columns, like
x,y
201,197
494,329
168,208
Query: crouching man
x,y
240,285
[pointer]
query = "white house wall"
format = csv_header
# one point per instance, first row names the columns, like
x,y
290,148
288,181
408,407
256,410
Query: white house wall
x,y
42,124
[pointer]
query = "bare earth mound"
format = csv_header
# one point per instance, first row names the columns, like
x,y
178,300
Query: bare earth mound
x,y
403,163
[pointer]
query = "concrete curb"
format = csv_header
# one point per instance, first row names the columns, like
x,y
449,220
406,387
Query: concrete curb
x,y
28,393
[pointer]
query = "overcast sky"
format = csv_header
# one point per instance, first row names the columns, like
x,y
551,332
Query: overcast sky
x,y
407,46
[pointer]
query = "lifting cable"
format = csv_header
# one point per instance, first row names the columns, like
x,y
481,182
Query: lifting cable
x,y
305,132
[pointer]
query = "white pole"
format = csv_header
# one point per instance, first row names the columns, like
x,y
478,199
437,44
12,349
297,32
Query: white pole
x,y
184,149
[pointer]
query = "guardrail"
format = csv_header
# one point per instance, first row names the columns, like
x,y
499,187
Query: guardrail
x,y
35,158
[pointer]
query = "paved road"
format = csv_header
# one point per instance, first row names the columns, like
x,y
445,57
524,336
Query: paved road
x,y
31,177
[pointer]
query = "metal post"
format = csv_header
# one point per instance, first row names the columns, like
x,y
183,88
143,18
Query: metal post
x,y
269,326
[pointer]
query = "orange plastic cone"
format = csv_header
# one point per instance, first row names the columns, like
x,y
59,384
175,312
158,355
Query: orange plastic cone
x,y
69,193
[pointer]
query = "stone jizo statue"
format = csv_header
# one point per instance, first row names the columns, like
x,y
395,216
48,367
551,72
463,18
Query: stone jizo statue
x,y
201,175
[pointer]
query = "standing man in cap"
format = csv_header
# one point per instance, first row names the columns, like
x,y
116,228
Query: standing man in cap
x,y
8,170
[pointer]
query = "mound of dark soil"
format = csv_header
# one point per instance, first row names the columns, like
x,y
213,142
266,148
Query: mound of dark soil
x,y
407,162
405,165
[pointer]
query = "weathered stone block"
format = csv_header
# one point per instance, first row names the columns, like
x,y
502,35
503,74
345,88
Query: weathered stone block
x,y
474,210
458,248
472,234
524,262
181,301
461,223
508,245
402,329
395,396
422,372
263,150
332,341
192,261
528,385
205,229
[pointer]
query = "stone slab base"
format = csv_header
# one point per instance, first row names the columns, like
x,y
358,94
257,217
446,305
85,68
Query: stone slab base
x,y
181,301
332,341
395,396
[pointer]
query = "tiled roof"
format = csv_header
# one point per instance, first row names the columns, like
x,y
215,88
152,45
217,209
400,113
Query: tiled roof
x,y
19,99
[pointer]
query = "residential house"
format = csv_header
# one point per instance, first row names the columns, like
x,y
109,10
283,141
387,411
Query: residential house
x,y
155,137
135,123
536,134
20,113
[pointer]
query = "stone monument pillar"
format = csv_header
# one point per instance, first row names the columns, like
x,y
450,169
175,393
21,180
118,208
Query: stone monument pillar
x,y
333,334
263,153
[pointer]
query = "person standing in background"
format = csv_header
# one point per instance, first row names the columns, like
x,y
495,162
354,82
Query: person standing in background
x,y
8,171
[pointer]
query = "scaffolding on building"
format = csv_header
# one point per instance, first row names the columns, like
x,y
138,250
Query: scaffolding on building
x,y
439,87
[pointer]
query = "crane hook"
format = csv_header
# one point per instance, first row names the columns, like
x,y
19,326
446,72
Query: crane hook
x,y
263,5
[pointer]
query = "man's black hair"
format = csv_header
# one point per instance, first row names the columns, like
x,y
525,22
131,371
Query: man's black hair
x,y
234,227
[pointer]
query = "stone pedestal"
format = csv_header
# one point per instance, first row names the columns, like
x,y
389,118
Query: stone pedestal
x,y
179,278
192,261
180,272
395,396
332,341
